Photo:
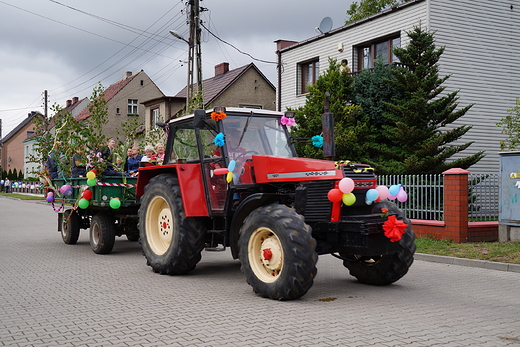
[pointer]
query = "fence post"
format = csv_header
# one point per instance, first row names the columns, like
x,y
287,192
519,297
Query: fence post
x,y
456,205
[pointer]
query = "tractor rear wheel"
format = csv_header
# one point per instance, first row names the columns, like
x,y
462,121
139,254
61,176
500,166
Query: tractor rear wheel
x,y
171,242
70,227
102,233
388,268
277,252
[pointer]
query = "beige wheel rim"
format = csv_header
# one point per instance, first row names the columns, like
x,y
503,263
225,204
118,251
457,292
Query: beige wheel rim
x,y
159,225
265,254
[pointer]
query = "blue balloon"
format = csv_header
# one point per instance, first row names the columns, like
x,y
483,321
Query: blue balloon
x,y
372,194
394,189
232,165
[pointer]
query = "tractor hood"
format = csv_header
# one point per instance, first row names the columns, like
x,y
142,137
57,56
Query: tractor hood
x,y
270,169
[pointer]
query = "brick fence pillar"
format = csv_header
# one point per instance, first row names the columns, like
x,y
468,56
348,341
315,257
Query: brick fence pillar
x,y
456,205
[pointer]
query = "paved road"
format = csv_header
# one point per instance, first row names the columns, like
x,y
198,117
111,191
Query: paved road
x,y
53,294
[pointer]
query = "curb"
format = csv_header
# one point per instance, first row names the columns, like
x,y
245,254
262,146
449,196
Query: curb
x,y
485,264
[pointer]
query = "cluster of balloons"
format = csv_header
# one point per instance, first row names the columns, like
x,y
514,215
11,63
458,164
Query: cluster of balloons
x,y
91,178
84,200
346,186
228,171
22,185
343,192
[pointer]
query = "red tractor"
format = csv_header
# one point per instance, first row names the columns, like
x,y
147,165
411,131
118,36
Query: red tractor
x,y
232,178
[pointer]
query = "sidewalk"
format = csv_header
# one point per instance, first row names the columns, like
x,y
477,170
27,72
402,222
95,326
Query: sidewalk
x,y
485,264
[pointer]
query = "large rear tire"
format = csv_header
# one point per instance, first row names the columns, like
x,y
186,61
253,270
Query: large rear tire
x,y
70,227
277,252
102,233
388,268
171,242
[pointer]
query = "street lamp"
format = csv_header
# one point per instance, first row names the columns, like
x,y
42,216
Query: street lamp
x,y
189,85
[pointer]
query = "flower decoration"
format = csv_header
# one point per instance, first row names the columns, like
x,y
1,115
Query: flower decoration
x,y
216,116
219,139
317,141
93,159
287,121
394,228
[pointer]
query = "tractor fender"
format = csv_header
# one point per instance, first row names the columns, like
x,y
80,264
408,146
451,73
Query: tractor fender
x,y
247,206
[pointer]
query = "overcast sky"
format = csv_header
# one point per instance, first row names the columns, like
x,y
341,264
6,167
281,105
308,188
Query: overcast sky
x,y
67,46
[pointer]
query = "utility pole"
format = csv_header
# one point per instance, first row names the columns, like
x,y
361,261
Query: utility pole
x,y
194,56
45,100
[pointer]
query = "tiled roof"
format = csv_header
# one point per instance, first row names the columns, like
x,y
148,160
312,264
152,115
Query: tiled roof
x,y
216,85
21,125
110,92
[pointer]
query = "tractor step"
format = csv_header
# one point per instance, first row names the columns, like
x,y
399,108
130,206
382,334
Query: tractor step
x,y
215,249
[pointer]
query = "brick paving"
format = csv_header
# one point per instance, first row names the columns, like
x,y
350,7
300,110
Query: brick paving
x,y
53,294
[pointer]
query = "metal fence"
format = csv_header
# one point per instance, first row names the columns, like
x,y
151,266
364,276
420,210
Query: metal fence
x,y
426,196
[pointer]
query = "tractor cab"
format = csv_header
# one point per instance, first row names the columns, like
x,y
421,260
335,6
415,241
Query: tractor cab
x,y
223,141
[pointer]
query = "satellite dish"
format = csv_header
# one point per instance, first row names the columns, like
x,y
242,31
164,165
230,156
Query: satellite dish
x,y
325,25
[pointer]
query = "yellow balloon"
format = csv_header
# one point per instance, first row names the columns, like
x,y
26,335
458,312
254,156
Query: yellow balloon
x,y
91,175
348,199
229,177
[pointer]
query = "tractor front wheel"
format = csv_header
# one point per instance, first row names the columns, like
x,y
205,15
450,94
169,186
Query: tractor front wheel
x,y
277,252
388,268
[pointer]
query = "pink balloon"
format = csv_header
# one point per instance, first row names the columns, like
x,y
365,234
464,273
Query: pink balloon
x,y
402,196
392,197
346,185
383,192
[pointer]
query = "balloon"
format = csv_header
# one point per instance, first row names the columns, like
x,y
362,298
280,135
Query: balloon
x,y
335,195
221,171
232,165
348,199
83,203
23,185
229,177
50,198
402,196
91,175
66,190
372,194
346,185
392,196
394,189
91,182
115,203
383,192
87,194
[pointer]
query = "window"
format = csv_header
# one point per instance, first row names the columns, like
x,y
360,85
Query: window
x,y
380,49
309,73
154,118
132,107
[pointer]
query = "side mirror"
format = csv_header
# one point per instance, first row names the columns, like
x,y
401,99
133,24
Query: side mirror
x,y
327,127
198,118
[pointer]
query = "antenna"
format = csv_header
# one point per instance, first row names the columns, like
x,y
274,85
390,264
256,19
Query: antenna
x,y
325,25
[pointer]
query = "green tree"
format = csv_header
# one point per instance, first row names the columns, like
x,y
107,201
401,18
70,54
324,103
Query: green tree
x,y
416,141
511,127
338,84
366,8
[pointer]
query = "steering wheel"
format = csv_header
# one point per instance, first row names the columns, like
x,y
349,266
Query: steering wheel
x,y
246,152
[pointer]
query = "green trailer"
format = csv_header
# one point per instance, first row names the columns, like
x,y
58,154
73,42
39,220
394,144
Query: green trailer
x,y
109,209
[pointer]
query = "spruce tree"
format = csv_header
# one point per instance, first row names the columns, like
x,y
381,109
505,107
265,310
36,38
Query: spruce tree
x,y
416,140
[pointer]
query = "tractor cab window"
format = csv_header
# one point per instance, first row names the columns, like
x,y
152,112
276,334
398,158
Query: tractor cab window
x,y
185,143
256,134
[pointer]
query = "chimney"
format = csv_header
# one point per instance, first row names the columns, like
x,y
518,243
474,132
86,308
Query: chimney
x,y
75,99
69,102
127,74
221,69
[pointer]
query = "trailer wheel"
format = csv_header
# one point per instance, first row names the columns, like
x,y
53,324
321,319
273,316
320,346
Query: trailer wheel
x,y
70,227
277,252
171,242
102,233
385,269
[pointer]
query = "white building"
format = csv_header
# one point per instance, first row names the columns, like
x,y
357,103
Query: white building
x,y
482,54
